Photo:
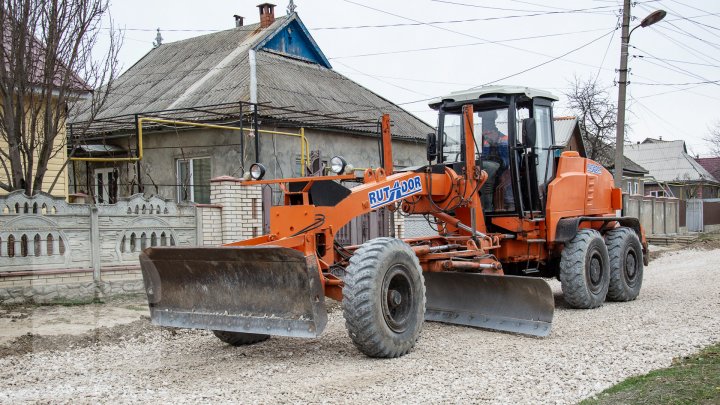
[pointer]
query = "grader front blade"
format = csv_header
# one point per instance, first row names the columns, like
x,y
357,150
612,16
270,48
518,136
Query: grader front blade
x,y
507,303
259,289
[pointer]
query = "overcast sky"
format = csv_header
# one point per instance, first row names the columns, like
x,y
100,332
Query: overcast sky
x,y
384,45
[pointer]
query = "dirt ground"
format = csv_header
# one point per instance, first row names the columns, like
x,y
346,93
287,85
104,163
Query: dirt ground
x,y
111,353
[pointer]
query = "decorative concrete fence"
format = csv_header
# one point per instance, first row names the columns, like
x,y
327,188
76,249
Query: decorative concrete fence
x,y
51,250
658,215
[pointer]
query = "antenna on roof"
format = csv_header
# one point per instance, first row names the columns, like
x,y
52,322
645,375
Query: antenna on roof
x,y
158,39
291,7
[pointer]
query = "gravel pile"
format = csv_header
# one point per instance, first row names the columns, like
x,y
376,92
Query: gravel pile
x,y
678,312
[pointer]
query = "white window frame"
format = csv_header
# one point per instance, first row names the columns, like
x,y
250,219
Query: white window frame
x,y
191,177
105,172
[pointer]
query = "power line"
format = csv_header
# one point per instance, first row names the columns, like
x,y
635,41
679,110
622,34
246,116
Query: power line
x,y
669,92
550,60
350,27
694,8
675,60
381,80
687,34
606,52
540,12
465,45
686,19
687,48
678,84
463,33
676,68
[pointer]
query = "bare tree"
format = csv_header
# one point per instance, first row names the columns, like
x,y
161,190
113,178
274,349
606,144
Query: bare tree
x,y
597,116
47,70
714,139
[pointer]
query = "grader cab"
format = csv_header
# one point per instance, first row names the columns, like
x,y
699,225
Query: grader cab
x,y
510,209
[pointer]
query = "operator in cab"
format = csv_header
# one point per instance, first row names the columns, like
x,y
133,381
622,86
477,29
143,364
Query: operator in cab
x,y
496,193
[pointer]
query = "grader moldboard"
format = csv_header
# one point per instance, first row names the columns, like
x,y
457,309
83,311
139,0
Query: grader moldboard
x,y
509,209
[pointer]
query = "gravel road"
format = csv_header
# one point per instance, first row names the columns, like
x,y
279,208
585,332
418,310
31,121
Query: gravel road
x,y
677,313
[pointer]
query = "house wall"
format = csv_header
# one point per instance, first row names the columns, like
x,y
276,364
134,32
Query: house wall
x,y
55,166
279,154
574,143
633,181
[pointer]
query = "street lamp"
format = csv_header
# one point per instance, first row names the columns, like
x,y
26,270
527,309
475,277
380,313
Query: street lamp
x,y
651,19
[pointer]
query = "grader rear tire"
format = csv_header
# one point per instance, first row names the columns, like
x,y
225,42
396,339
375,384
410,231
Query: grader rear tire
x,y
626,264
384,298
239,338
585,270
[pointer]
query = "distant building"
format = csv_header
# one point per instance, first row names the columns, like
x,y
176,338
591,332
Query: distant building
x,y
569,134
712,165
673,172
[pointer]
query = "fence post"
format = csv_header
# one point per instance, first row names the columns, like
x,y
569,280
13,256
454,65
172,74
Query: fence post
x,y
199,232
95,245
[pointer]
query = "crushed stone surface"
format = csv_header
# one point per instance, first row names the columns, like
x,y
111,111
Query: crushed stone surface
x,y
677,313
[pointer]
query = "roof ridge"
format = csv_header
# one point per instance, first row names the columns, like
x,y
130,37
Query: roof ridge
x,y
249,28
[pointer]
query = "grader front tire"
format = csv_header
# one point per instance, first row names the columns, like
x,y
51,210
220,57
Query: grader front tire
x,y
384,298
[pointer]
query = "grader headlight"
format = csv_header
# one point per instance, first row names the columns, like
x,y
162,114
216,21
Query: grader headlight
x,y
338,164
257,171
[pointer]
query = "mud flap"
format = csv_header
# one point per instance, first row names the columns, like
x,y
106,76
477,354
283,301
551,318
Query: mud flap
x,y
260,289
506,303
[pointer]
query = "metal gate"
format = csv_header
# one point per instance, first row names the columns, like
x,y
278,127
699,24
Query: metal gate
x,y
694,215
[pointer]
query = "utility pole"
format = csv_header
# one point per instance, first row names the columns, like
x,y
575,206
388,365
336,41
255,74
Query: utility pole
x,y
622,88
651,19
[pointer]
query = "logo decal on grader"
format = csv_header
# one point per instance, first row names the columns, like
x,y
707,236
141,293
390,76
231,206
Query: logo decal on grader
x,y
398,191
594,169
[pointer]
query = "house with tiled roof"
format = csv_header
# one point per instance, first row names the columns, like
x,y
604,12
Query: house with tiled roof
x,y
673,172
270,76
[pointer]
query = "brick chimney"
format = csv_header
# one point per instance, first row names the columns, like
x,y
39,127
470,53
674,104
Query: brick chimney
x,y
267,14
238,20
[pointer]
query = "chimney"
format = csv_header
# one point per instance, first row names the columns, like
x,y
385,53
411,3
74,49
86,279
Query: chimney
x,y
238,20
267,14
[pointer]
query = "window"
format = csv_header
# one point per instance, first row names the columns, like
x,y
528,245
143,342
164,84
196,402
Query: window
x,y
543,143
657,193
106,185
193,179
633,187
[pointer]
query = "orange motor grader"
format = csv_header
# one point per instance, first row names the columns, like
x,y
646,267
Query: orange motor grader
x,y
508,210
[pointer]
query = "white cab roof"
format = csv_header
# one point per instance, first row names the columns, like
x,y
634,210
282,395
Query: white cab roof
x,y
477,92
